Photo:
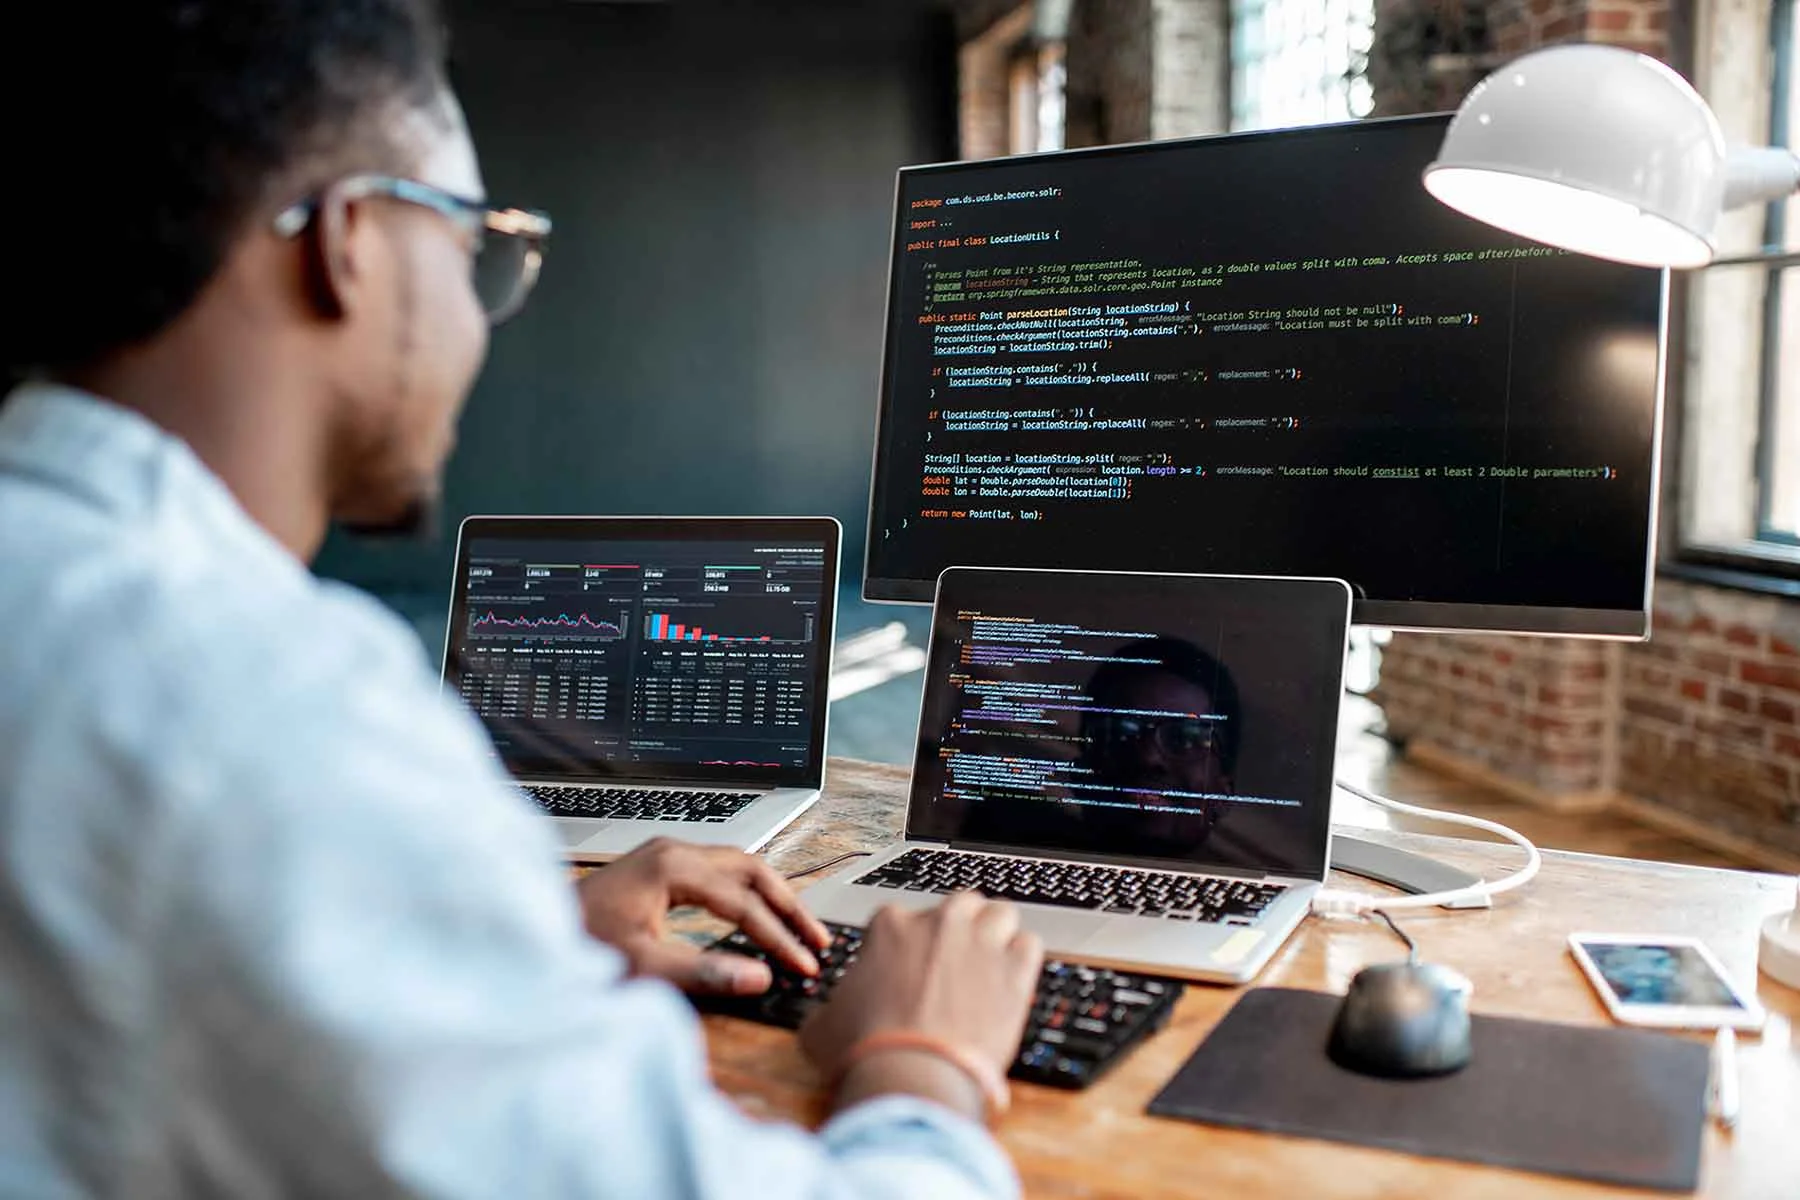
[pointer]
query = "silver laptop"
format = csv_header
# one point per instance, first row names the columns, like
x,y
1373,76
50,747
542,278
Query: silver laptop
x,y
1142,762
650,676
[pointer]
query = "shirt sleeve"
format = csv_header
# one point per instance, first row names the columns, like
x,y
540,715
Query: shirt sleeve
x,y
375,983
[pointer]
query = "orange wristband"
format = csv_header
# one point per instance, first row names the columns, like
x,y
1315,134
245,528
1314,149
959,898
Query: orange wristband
x,y
989,1082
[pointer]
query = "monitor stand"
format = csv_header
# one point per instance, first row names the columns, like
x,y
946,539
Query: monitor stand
x,y
1411,873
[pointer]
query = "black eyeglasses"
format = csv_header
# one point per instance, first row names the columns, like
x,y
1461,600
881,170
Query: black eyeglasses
x,y
508,242
1177,737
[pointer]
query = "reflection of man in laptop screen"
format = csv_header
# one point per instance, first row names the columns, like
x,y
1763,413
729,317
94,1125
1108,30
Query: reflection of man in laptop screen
x,y
1162,730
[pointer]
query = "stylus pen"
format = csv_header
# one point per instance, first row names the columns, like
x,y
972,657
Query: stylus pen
x,y
1725,1079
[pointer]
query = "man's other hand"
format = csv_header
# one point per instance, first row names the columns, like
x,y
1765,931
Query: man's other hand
x,y
963,972
627,903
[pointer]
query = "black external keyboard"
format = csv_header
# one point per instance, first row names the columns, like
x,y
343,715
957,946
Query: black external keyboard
x,y
639,804
1078,885
1083,1020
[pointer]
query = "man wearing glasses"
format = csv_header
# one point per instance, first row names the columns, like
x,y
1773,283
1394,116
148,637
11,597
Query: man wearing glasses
x,y
242,951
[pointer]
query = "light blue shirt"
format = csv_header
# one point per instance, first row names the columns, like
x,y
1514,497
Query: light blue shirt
x,y
271,923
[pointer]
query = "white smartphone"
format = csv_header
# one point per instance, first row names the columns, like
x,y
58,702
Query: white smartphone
x,y
1671,982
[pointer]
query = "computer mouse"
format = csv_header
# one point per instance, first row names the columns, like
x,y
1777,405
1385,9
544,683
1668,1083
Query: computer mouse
x,y
1403,1021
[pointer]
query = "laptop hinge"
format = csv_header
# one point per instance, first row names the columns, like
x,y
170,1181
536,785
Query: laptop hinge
x,y
699,785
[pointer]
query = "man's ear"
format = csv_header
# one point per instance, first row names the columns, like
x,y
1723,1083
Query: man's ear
x,y
336,276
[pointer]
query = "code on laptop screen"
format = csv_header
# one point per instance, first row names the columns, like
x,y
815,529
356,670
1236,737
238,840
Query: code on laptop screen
x,y
1190,719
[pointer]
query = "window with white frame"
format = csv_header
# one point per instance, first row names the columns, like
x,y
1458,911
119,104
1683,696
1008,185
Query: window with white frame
x,y
1778,426
1740,452
1300,62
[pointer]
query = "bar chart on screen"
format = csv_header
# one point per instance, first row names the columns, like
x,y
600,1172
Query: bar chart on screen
x,y
781,623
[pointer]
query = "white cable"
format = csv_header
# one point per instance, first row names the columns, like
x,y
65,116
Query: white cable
x,y
1332,903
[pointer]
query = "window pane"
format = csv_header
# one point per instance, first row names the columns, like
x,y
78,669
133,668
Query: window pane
x,y
1780,458
1053,82
1299,62
1785,128
1784,463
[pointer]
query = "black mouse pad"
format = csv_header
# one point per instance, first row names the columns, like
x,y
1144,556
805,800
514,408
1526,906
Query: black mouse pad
x,y
1620,1106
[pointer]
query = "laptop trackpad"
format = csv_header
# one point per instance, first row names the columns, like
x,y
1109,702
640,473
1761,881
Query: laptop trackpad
x,y
576,830
1064,932
1139,940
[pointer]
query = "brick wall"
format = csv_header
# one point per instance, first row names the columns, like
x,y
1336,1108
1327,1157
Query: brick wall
x,y
1709,721
1427,54
1521,25
1533,710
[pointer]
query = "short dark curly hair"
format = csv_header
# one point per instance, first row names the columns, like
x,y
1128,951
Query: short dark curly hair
x,y
166,126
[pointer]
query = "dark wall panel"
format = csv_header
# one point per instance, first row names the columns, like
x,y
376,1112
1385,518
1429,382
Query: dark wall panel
x,y
707,333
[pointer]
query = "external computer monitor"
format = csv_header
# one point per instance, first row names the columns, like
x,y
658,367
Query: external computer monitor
x,y
1271,354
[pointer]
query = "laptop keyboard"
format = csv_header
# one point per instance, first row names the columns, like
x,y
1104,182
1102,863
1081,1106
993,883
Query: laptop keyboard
x,y
1078,885
640,804
1083,1020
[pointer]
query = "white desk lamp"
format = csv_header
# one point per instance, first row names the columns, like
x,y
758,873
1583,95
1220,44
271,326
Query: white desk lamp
x,y
1610,153
1604,152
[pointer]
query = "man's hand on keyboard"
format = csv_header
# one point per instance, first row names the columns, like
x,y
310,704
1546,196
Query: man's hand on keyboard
x,y
626,905
964,973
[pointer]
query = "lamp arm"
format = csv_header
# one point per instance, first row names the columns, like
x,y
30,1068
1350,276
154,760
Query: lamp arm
x,y
1768,256
1755,174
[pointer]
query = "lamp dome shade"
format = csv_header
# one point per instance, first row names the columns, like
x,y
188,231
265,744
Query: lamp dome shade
x,y
1592,148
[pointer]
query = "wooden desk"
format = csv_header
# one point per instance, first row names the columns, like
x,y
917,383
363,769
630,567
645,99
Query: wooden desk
x,y
1099,1143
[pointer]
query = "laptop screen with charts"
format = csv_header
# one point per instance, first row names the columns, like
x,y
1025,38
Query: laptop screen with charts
x,y
669,651
1188,721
